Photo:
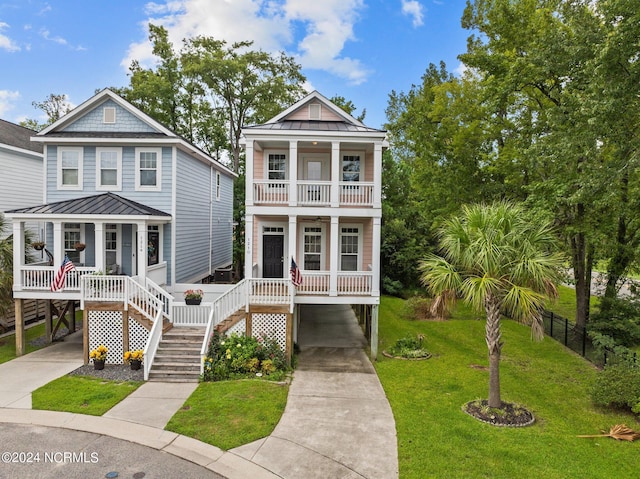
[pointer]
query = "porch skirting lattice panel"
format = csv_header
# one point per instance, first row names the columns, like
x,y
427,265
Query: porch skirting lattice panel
x,y
105,327
108,328
273,325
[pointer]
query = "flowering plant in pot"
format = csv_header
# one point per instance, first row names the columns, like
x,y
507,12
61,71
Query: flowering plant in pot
x,y
38,245
193,296
99,355
134,358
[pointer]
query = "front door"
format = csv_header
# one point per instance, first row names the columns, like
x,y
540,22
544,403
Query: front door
x,y
273,256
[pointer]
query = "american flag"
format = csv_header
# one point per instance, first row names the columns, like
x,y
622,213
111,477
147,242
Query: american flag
x,y
296,276
61,275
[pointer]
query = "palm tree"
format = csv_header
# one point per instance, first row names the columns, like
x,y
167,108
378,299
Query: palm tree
x,y
497,258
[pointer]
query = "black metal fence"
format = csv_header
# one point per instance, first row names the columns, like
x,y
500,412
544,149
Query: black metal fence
x,y
576,339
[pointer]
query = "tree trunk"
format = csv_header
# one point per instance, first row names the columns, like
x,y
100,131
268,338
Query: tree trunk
x,y
492,337
623,251
582,259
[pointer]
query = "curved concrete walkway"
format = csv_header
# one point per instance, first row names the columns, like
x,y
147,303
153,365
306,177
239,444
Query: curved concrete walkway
x,y
337,423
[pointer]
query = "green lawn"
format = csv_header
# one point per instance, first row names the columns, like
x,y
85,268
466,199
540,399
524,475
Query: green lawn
x,y
82,394
8,343
436,439
228,414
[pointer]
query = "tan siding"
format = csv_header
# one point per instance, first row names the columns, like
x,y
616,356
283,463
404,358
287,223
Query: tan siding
x,y
367,245
368,167
302,113
258,164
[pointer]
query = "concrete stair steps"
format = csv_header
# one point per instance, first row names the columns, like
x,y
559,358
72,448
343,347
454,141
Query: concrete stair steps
x,y
173,366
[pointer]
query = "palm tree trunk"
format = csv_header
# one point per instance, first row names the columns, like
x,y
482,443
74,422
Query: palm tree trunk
x,y
493,335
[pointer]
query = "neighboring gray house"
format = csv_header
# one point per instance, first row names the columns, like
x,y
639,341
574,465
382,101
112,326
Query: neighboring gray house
x,y
20,169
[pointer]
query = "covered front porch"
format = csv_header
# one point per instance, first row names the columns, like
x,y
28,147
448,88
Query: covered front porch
x,y
103,234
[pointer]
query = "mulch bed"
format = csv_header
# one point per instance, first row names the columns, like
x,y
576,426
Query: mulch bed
x,y
113,372
508,415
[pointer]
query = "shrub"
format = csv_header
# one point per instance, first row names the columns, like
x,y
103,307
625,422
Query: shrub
x,y
239,356
618,386
421,308
618,318
392,287
409,347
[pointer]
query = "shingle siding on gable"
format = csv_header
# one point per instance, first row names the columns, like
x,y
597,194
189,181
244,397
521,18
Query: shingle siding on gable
x,y
125,121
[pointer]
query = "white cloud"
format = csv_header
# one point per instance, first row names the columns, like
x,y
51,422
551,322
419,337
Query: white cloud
x,y
5,42
6,99
414,9
325,25
46,34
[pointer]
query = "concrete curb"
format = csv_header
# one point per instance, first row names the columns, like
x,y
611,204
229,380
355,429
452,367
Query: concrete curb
x,y
222,462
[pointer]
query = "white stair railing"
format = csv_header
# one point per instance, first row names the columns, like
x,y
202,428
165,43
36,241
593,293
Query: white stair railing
x,y
223,307
164,296
153,341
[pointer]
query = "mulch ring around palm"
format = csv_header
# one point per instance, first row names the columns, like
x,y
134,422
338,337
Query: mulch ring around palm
x,y
507,415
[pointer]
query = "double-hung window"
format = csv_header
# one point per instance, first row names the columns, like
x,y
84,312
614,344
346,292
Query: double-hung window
x,y
109,169
70,168
351,167
312,248
72,236
148,169
277,166
110,244
350,248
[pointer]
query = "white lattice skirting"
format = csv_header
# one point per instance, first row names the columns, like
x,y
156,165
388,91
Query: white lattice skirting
x,y
105,327
273,325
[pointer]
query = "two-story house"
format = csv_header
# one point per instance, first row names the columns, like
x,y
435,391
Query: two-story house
x,y
127,197
313,195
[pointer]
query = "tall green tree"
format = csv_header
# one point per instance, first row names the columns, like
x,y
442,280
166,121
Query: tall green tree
x,y
499,259
55,106
250,86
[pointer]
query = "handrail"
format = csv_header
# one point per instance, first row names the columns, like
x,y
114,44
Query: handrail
x,y
224,306
153,341
160,293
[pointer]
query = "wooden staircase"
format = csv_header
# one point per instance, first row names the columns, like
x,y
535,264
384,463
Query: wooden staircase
x,y
228,323
178,356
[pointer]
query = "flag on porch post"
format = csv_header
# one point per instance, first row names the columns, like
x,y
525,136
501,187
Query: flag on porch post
x,y
61,275
296,276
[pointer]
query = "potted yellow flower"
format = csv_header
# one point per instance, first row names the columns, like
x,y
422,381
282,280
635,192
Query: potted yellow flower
x,y
134,358
193,296
99,356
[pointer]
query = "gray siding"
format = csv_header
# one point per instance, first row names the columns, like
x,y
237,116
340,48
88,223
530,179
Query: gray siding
x,y
193,196
125,121
166,250
155,199
222,228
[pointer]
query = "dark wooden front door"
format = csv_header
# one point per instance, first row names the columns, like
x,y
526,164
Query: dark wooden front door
x,y
272,256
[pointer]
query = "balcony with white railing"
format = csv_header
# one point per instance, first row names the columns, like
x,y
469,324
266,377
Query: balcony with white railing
x,y
39,278
271,192
356,193
349,283
313,193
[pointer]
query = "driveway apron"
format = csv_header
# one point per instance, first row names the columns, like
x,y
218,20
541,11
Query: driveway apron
x,y
338,422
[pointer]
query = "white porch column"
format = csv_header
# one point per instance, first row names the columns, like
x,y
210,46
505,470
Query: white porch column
x,y
58,243
142,249
375,258
249,173
293,173
293,241
248,246
334,247
335,174
99,246
377,175
18,254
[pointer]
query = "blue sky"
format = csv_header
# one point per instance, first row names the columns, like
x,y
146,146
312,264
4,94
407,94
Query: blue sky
x,y
359,49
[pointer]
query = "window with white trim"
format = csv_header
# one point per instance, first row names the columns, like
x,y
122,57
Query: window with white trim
x,y
218,183
109,169
351,167
72,235
110,244
277,166
312,248
350,248
148,169
70,168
